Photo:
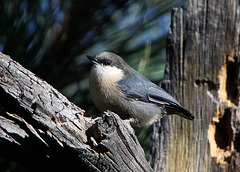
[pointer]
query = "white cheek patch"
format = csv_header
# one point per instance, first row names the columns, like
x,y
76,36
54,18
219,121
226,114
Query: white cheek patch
x,y
108,75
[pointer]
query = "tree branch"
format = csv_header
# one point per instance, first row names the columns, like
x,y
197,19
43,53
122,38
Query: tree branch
x,y
42,129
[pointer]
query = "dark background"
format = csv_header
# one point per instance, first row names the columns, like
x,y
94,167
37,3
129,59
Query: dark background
x,y
52,37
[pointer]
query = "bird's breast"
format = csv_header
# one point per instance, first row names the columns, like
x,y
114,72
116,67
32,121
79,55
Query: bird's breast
x,y
103,85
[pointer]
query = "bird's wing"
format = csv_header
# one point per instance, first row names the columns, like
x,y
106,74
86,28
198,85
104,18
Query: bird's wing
x,y
158,95
137,87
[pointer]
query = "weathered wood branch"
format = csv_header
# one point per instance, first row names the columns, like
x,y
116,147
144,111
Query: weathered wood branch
x,y
43,130
203,74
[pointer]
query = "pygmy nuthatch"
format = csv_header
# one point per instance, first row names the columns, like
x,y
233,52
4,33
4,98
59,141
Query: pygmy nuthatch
x,y
116,86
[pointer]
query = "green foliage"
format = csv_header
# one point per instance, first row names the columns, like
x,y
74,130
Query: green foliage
x,y
52,37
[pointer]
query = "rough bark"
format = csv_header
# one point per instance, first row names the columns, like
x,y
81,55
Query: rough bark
x,y
202,73
44,131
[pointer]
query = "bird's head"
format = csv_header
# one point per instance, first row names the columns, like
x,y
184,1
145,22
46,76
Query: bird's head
x,y
111,65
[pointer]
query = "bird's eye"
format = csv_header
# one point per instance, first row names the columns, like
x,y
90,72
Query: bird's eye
x,y
107,62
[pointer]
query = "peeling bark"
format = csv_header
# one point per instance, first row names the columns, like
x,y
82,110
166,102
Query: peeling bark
x,y
203,75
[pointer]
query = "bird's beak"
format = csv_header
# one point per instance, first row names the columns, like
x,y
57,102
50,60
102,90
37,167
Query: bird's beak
x,y
92,59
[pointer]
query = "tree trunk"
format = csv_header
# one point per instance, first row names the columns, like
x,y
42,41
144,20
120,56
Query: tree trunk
x,y
43,131
203,75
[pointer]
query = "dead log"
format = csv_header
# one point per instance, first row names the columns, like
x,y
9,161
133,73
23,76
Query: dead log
x,y
202,73
44,131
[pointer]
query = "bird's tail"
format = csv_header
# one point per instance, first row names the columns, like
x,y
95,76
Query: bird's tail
x,y
180,111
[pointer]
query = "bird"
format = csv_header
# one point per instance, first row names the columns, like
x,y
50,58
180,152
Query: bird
x,y
116,86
